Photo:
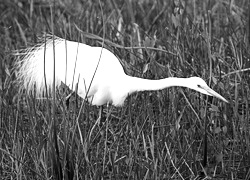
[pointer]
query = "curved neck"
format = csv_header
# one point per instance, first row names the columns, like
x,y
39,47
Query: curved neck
x,y
138,84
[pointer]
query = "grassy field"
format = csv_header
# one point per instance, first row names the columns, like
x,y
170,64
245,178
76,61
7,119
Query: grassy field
x,y
155,135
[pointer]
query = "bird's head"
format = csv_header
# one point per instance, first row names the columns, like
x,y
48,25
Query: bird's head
x,y
201,86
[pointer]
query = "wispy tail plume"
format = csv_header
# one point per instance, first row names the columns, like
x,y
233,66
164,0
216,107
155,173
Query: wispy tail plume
x,y
32,65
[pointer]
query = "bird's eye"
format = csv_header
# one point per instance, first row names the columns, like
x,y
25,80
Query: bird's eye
x,y
199,86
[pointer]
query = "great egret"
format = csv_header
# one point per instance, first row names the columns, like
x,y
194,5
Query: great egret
x,y
76,63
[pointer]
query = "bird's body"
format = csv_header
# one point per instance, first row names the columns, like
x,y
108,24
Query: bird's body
x,y
76,63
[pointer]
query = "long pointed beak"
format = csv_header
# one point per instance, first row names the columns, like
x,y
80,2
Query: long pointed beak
x,y
213,93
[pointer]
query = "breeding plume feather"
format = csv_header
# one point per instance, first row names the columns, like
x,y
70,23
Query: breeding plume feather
x,y
76,63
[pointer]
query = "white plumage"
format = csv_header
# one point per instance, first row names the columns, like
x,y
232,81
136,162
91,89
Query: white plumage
x,y
76,63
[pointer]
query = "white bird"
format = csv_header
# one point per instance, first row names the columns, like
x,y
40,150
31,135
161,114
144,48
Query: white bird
x,y
76,63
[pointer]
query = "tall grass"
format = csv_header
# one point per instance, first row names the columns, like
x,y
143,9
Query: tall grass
x,y
155,135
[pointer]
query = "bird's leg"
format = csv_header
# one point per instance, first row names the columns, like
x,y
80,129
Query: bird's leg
x,y
68,98
100,116
70,95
